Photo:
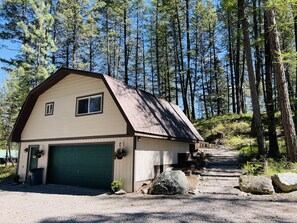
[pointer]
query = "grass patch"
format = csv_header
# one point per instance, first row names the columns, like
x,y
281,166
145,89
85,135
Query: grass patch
x,y
269,167
238,141
279,166
7,171
235,129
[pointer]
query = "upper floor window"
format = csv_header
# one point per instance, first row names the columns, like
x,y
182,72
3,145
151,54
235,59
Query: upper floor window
x,y
89,104
49,108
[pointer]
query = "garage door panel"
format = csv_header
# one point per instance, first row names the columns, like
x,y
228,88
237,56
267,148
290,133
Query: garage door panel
x,y
86,166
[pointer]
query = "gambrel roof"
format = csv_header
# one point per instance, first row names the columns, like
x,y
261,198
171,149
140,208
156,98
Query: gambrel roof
x,y
145,114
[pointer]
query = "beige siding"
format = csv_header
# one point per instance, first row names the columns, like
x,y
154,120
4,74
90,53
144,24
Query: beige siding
x,y
123,169
64,123
150,152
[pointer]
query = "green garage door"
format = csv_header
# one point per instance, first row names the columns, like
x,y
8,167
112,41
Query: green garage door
x,y
81,165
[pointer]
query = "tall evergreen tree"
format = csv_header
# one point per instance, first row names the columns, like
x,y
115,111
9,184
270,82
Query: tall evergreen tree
x,y
283,93
252,81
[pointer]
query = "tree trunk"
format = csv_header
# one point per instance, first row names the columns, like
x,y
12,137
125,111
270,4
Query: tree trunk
x,y
215,66
237,64
91,55
137,47
253,89
188,78
295,32
284,101
182,81
196,63
257,49
203,80
107,40
168,82
157,47
209,83
126,77
242,102
152,65
176,64
143,63
67,52
273,145
231,67
228,90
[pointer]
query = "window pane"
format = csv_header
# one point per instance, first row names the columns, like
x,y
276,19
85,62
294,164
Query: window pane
x,y
49,108
83,106
95,104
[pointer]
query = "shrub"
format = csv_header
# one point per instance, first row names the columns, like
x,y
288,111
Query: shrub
x,y
116,185
7,171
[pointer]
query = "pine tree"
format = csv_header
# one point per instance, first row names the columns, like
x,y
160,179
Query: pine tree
x,y
38,46
252,82
283,93
33,64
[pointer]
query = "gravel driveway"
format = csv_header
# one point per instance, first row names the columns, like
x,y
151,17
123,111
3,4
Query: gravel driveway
x,y
49,203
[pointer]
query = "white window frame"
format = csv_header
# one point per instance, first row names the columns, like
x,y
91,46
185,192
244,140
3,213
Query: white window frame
x,y
49,108
100,95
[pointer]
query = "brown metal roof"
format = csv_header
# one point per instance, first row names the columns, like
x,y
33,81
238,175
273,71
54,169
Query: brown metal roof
x,y
144,113
150,115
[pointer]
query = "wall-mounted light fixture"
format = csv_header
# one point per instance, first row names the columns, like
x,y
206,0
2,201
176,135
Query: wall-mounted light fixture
x,y
121,145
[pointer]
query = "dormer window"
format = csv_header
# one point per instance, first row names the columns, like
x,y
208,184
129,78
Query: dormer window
x,y
88,105
49,108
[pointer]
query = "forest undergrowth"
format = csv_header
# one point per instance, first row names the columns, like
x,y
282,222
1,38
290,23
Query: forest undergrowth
x,y
234,131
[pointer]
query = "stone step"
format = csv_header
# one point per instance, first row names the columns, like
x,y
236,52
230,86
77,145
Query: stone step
x,y
221,158
219,190
220,182
205,178
221,172
226,164
230,169
216,174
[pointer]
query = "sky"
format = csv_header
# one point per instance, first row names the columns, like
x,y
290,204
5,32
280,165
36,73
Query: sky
x,y
7,50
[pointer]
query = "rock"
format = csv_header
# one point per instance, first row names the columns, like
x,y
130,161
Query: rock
x,y
256,184
120,192
286,182
170,182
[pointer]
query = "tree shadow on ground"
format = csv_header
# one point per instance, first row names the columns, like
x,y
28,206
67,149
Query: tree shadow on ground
x,y
136,217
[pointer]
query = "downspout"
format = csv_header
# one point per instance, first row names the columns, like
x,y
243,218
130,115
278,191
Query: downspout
x,y
133,168
18,164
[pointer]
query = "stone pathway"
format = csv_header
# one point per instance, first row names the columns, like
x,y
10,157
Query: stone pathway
x,y
221,172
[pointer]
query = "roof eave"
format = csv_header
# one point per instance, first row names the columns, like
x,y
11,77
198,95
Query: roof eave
x,y
156,136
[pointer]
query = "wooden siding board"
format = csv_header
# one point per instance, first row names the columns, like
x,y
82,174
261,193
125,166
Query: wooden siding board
x,y
64,123
150,152
123,169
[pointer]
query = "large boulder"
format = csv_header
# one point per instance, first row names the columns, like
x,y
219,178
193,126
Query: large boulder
x,y
256,184
286,182
170,182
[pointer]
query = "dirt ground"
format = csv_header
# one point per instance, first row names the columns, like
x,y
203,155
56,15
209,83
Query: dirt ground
x,y
49,203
